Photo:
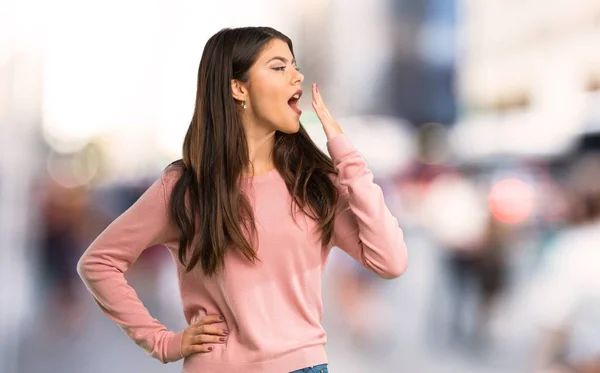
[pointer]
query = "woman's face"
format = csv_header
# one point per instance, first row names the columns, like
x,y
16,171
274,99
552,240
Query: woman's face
x,y
273,89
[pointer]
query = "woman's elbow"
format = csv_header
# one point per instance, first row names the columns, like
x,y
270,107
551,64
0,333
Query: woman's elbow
x,y
87,265
83,266
396,266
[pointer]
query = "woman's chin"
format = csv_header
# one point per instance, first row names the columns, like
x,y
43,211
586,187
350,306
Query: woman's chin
x,y
290,129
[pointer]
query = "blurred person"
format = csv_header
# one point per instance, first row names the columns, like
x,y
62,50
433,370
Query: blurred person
x,y
566,294
477,273
249,215
65,227
454,215
473,260
491,274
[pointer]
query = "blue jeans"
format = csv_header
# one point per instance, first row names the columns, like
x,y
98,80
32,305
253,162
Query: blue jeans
x,y
316,369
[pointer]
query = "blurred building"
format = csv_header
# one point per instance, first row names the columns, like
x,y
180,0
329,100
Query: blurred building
x,y
529,75
418,80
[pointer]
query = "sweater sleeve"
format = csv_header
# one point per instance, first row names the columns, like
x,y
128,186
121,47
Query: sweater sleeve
x,y
103,265
364,227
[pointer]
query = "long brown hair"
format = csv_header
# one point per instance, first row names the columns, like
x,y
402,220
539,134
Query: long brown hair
x,y
207,203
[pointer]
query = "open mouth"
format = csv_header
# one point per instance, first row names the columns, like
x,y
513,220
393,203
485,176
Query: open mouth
x,y
293,101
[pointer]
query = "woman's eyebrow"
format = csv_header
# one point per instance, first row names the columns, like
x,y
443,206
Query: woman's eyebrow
x,y
282,59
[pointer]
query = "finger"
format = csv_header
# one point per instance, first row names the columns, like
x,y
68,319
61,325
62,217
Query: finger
x,y
206,338
201,348
319,106
211,329
317,98
317,101
210,319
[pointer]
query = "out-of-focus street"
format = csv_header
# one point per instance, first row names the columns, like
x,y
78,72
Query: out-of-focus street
x,y
480,120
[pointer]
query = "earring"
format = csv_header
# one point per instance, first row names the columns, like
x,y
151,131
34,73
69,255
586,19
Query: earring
x,y
244,105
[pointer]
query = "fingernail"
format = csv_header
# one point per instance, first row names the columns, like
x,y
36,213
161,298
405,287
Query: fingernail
x,y
221,318
225,332
210,349
222,339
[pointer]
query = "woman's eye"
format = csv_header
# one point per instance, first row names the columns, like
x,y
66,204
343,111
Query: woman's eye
x,y
281,68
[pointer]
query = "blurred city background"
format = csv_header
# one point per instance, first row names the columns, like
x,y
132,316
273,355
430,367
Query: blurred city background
x,y
479,118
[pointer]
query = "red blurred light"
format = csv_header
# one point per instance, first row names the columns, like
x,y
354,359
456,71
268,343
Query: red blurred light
x,y
511,201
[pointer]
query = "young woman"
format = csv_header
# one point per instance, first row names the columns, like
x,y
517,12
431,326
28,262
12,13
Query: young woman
x,y
249,215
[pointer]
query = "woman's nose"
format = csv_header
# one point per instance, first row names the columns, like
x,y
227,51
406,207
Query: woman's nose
x,y
299,77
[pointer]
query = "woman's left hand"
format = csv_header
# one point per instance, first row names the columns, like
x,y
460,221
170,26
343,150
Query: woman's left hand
x,y
330,125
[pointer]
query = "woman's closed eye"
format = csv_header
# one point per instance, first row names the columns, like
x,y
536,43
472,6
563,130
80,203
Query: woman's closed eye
x,y
282,68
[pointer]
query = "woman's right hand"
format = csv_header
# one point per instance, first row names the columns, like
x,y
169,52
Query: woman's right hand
x,y
200,336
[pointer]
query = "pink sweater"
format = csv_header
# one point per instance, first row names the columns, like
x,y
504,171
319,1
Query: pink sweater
x,y
272,309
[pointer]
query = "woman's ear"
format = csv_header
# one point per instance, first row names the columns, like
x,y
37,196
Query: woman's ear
x,y
239,90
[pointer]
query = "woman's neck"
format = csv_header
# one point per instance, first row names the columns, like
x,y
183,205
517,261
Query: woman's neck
x,y
260,149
